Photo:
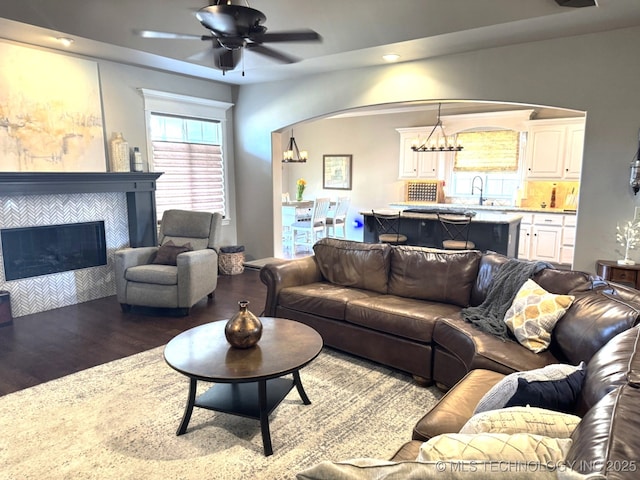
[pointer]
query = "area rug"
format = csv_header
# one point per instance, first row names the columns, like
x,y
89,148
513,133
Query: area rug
x,y
118,421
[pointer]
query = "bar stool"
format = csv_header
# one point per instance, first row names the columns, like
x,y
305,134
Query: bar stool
x,y
455,230
388,227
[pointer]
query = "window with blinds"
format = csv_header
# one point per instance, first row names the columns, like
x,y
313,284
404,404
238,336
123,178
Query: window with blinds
x,y
190,154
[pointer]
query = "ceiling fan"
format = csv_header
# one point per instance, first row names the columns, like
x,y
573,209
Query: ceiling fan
x,y
235,27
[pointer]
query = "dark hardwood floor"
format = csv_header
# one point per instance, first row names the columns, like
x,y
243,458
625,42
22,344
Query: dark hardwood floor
x,y
44,346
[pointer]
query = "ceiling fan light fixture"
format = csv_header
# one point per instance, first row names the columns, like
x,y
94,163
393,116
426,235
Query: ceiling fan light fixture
x,y
232,28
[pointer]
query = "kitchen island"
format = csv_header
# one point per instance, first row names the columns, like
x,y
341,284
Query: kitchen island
x,y
498,232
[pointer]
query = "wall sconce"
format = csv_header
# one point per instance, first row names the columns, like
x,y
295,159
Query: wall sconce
x,y
634,181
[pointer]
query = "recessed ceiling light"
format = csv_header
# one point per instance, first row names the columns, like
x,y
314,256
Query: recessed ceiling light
x,y
391,57
66,41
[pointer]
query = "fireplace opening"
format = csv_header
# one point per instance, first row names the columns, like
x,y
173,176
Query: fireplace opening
x,y
34,251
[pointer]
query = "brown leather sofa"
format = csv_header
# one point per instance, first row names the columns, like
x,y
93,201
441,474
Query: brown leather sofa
x,y
400,306
607,439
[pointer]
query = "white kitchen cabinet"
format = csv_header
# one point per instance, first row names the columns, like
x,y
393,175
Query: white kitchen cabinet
x,y
554,149
417,164
545,243
545,145
548,237
524,243
568,239
573,152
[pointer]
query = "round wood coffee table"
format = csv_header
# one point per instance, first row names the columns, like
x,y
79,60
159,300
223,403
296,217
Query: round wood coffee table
x,y
248,381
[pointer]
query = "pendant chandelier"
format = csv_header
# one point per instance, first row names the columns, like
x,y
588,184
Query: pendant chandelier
x,y
292,154
429,145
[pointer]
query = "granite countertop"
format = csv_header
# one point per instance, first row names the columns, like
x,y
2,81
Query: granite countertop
x,y
429,213
479,208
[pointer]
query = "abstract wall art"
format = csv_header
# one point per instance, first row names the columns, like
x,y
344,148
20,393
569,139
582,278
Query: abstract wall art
x,y
50,112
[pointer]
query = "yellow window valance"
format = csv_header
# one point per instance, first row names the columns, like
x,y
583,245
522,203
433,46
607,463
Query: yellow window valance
x,y
492,150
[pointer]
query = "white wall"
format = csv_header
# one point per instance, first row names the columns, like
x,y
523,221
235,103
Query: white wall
x,y
596,73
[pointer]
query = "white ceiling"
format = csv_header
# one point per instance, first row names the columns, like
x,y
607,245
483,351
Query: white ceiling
x,y
356,33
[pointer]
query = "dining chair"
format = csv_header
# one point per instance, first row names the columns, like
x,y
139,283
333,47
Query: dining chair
x,y
455,230
307,232
387,225
337,218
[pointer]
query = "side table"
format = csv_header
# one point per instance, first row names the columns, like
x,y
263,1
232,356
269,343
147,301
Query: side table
x,y
625,274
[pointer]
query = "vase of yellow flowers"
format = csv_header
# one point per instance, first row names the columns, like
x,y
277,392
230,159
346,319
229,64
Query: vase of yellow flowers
x,y
301,184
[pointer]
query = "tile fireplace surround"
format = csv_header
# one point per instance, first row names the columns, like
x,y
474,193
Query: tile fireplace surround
x,y
49,199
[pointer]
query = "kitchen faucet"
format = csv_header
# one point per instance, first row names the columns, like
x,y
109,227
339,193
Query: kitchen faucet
x,y
474,188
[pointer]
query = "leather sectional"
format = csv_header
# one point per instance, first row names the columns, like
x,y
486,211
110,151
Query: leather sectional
x,y
606,442
400,306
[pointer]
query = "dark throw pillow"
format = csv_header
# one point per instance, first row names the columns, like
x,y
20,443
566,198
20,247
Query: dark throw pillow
x,y
554,387
167,253
560,396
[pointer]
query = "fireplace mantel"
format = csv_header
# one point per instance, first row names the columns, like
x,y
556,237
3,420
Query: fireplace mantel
x,y
139,187
24,183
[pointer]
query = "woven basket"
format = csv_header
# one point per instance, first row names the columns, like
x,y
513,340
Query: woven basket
x,y
231,263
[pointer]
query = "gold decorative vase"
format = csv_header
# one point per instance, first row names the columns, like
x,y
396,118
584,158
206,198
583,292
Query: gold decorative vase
x,y
244,329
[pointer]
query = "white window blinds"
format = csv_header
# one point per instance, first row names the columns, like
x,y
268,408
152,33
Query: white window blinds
x,y
488,151
193,177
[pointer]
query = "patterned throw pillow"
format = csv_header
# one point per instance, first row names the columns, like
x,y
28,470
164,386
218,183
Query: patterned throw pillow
x,y
554,387
534,420
374,469
519,447
533,314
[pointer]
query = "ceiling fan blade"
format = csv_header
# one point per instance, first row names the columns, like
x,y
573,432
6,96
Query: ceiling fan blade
x,y
204,55
170,35
270,52
287,36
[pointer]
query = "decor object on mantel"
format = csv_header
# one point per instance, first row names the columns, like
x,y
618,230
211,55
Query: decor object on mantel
x,y
430,145
244,329
136,160
292,154
301,185
119,154
628,236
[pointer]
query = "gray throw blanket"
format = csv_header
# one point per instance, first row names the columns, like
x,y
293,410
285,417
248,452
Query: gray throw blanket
x,y
489,315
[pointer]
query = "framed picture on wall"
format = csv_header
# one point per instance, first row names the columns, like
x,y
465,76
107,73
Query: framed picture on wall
x,y
336,172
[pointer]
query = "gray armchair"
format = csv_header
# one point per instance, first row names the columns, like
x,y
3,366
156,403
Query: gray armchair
x,y
179,273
